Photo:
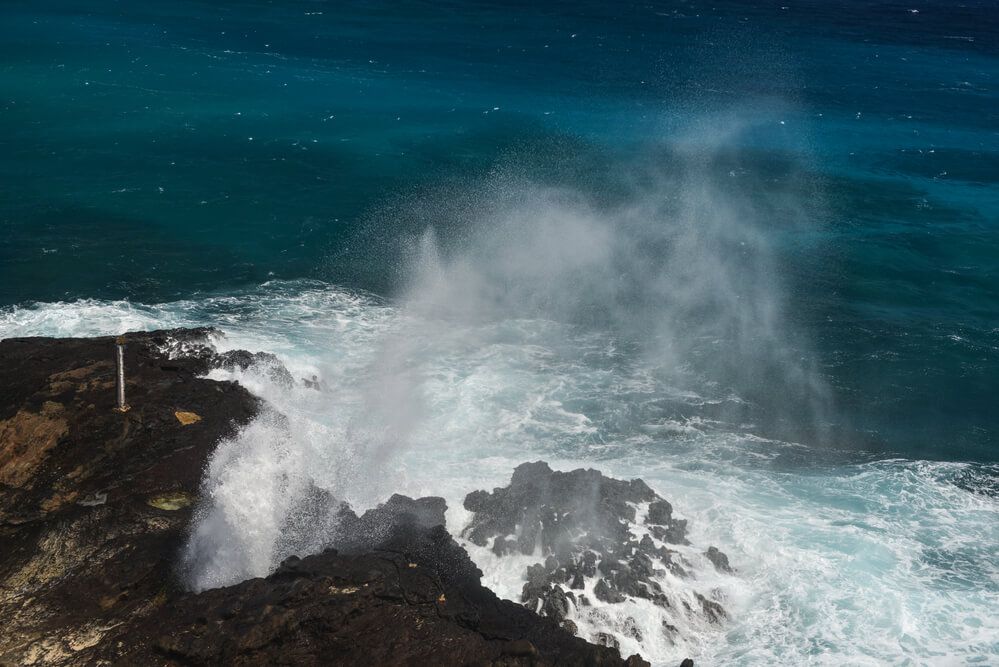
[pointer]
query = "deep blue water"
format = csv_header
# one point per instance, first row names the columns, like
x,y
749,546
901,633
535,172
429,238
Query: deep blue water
x,y
163,150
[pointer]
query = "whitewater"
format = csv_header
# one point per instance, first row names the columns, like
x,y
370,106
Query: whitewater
x,y
860,563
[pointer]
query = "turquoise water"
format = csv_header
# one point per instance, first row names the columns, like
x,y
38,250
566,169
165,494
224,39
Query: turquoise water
x,y
746,251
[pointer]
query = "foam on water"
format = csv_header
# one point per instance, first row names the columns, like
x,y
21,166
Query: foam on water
x,y
850,563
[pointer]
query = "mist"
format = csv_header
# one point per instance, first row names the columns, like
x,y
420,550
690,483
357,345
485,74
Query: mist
x,y
666,272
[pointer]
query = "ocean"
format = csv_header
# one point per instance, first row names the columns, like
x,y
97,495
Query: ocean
x,y
748,252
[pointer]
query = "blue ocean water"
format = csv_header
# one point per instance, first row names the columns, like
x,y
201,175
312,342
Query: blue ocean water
x,y
737,247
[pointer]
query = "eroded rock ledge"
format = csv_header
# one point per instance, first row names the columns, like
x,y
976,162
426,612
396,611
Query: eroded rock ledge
x,y
95,506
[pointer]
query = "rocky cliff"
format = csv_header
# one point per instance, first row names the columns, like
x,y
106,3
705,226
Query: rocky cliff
x,y
95,506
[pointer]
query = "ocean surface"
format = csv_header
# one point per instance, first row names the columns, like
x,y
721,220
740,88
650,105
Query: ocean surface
x,y
746,251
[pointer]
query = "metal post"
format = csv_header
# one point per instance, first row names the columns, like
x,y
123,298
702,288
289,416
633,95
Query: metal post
x,y
120,359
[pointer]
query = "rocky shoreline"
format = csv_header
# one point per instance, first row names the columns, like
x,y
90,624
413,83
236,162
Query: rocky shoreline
x,y
96,505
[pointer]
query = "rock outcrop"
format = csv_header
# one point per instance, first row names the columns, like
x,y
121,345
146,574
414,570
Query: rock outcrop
x,y
599,540
95,506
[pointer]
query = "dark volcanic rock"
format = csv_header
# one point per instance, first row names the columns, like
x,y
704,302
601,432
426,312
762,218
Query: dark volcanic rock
x,y
195,347
415,599
95,506
718,559
582,523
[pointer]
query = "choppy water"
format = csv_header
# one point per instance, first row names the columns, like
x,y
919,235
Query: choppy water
x,y
748,254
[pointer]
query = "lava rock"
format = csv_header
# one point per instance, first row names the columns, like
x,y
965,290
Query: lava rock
x,y
263,361
583,522
714,611
718,559
606,593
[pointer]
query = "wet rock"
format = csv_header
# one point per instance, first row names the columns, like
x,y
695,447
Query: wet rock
x,y
556,604
606,639
660,512
662,524
687,662
606,593
582,522
631,629
718,559
265,362
714,611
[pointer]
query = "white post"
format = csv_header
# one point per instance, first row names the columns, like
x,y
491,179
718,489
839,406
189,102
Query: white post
x,y
120,359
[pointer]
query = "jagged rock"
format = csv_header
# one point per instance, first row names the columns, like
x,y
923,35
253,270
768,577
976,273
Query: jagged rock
x,y
660,512
631,629
580,520
196,348
714,611
718,559
556,604
606,639
555,508
264,361
605,593
662,524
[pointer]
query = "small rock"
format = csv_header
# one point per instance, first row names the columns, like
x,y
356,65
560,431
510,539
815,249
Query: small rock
x,y
171,502
631,629
94,500
719,559
714,611
605,593
555,605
